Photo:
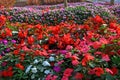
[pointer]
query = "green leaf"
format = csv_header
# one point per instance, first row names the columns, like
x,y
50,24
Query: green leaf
x,y
91,64
116,60
103,46
79,68
102,27
93,39
109,77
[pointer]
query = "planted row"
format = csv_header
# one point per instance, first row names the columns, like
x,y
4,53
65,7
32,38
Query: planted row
x,y
76,13
67,51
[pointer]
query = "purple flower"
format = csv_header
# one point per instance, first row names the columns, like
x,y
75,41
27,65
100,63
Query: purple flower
x,y
5,42
57,68
7,50
4,63
63,51
3,53
13,41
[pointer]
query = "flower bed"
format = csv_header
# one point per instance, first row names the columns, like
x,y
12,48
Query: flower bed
x,y
67,51
116,9
52,15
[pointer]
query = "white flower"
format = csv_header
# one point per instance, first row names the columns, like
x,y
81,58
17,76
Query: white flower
x,y
14,32
34,70
40,41
33,76
46,63
105,25
36,61
39,79
52,54
47,71
52,58
46,39
28,68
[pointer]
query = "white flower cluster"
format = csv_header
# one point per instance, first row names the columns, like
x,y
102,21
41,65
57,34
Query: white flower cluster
x,y
34,70
36,61
46,63
51,58
28,68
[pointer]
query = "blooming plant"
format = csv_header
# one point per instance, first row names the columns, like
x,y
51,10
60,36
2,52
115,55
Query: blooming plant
x,y
52,15
67,51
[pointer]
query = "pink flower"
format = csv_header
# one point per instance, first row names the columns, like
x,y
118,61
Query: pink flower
x,y
109,70
75,62
60,62
69,47
68,55
97,45
54,77
103,41
48,77
64,78
98,53
105,57
51,77
25,48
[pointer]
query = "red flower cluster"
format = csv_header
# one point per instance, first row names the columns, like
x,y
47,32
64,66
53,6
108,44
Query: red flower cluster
x,y
64,49
8,72
20,66
98,71
79,76
2,21
51,77
98,19
87,57
67,73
